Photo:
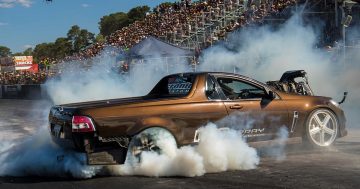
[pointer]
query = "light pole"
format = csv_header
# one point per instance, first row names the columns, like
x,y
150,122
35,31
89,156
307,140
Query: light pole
x,y
346,20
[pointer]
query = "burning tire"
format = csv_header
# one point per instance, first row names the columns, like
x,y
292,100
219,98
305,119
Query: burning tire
x,y
155,139
322,128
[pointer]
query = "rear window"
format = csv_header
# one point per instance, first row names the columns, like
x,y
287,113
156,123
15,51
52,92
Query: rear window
x,y
174,85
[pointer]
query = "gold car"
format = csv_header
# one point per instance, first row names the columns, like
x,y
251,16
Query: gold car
x,y
180,104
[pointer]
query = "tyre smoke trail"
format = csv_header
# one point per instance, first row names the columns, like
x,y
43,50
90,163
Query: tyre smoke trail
x,y
253,53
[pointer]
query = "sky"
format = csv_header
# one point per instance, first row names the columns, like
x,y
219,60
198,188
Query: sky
x,y
25,23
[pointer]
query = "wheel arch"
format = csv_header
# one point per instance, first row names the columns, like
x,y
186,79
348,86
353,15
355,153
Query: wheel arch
x,y
158,123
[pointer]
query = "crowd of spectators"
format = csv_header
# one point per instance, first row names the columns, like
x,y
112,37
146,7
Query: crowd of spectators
x,y
168,21
182,18
28,78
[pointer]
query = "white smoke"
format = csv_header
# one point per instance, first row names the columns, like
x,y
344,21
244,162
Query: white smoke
x,y
217,151
277,147
262,53
34,153
265,54
98,78
37,156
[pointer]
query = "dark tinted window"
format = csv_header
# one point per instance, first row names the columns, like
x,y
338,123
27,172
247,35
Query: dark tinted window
x,y
174,85
237,89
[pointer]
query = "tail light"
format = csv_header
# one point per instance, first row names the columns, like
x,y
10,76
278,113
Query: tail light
x,y
82,124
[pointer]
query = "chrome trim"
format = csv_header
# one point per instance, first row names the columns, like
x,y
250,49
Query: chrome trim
x,y
295,118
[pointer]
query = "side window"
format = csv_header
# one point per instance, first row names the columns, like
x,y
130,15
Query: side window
x,y
210,89
237,89
173,86
179,85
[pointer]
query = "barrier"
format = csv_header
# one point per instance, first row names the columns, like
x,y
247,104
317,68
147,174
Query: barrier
x,y
11,91
23,92
30,92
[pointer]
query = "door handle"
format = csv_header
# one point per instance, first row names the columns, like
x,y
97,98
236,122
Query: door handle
x,y
236,106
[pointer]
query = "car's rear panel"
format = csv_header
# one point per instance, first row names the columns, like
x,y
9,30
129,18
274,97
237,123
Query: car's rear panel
x,y
60,126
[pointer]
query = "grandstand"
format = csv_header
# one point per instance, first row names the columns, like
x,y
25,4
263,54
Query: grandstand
x,y
198,25
203,23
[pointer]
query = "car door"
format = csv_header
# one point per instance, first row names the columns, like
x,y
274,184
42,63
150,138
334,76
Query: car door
x,y
250,108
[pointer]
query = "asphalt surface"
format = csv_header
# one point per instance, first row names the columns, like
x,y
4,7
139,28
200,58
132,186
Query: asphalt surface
x,y
336,167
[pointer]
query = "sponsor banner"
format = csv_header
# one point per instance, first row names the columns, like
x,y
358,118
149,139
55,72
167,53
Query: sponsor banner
x,y
25,63
23,60
32,68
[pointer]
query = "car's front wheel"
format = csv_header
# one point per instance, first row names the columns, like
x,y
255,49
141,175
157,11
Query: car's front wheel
x,y
322,128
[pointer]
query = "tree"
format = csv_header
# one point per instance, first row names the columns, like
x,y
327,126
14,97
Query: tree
x,y
84,39
100,39
18,54
27,52
110,23
73,32
4,51
44,50
79,38
62,48
137,13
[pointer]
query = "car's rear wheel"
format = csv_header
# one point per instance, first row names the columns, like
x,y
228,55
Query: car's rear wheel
x,y
321,128
155,139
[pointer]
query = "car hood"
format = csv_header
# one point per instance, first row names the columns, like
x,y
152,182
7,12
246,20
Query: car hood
x,y
288,96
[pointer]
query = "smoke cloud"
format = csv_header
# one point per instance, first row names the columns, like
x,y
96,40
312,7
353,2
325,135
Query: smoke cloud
x,y
100,78
217,151
263,53
35,154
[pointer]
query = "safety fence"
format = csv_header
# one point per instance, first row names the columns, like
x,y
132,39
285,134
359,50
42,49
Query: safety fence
x,y
23,92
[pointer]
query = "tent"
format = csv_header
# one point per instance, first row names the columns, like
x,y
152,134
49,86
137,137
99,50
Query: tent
x,y
152,47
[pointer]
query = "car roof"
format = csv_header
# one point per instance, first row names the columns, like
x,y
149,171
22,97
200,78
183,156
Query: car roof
x,y
222,74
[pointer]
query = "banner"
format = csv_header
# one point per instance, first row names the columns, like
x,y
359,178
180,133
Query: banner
x,y
23,60
25,63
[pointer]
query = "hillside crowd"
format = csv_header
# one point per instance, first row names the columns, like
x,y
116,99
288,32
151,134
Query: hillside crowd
x,y
181,18
167,21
